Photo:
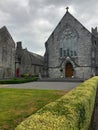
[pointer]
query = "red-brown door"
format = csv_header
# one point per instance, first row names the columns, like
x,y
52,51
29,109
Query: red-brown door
x,y
68,70
17,72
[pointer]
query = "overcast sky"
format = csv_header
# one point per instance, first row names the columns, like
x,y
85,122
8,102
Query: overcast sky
x,y
32,21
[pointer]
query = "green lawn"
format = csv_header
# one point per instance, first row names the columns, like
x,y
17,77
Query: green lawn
x,y
18,104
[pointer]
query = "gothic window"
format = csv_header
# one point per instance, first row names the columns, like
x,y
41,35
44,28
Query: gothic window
x,y
69,41
71,53
75,54
60,52
68,52
19,59
64,53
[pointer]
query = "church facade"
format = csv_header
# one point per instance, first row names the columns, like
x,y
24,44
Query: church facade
x,y
71,50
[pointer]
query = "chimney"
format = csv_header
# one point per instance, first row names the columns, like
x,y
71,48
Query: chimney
x,y
19,45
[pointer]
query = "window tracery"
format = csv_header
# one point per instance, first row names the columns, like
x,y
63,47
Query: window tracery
x,y
69,42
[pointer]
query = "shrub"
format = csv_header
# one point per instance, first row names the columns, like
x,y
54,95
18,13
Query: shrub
x,y
71,112
18,80
28,75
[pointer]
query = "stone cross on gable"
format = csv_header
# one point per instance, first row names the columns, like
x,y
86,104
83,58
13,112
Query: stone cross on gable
x,y
67,8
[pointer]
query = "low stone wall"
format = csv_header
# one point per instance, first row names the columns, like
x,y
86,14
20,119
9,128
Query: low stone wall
x,y
71,112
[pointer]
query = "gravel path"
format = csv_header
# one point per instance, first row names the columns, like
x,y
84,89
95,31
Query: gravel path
x,y
43,85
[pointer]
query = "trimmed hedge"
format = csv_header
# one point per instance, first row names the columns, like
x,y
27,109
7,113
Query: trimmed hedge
x,y
18,80
71,112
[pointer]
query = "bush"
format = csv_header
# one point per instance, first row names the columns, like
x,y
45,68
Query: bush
x,y
71,112
28,76
18,80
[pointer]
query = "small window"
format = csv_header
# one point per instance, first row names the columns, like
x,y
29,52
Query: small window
x,y
67,52
75,54
19,59
60,52
71,53
95,43
64,52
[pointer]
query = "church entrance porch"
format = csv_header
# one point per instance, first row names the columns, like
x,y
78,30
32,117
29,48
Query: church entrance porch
x,y
68,70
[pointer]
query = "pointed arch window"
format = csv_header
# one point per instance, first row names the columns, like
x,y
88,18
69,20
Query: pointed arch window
x,y
61,52
69,42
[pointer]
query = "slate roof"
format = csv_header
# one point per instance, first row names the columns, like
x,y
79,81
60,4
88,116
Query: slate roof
x,y
35,59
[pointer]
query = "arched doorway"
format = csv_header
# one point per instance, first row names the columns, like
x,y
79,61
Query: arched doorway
x,y
68,70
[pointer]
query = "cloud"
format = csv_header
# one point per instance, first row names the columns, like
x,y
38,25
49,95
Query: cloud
x,y
32,21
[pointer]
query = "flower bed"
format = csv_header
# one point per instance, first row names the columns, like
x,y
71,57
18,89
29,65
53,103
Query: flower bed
x,y
71,112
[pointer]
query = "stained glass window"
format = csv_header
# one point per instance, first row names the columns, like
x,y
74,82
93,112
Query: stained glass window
x,y
69,41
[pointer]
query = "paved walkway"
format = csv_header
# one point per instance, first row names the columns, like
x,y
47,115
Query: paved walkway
x,y
44,85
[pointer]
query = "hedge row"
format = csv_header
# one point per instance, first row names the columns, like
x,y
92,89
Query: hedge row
x,y
18,80
71,112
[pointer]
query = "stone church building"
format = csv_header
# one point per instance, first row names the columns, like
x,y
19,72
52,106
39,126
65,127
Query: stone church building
x,y
16,61
27,62
71,50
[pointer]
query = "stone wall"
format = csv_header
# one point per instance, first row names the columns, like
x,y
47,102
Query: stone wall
x,y
7,54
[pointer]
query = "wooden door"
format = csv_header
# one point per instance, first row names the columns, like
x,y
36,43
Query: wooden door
x,y
68,70
17,72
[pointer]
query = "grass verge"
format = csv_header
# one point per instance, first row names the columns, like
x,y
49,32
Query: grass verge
x,y
18,104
